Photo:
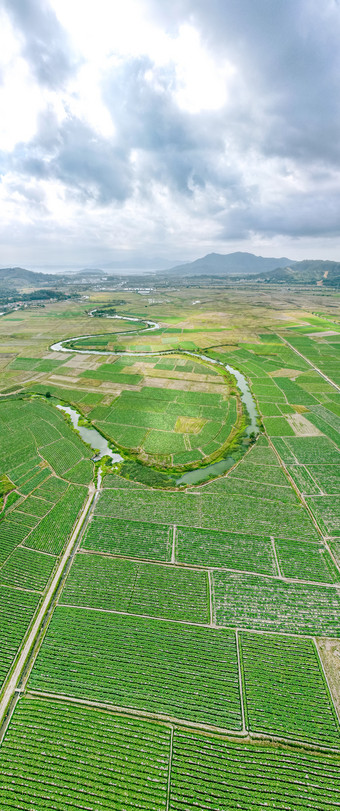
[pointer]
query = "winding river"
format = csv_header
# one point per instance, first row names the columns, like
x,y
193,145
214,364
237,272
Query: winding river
x,y
93,438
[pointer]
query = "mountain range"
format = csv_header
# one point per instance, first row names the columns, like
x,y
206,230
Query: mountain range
x,y
241,266
237,266
230,264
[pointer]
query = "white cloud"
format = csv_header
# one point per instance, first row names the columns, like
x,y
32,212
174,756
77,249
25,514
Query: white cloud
x,y
20,97
169,127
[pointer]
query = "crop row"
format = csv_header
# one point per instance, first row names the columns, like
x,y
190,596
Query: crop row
x,y
11,534
188,672
326,511
63,455
210,773
266,474
250,601
113,762
52,532
163,667
306,561
107,761
285,692
138,539
138,588
34,505
52,489
236,513
307,450
16,611
233,485
27,569
327,477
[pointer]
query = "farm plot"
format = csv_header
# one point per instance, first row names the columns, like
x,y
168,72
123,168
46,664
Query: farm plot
x,y
171,422
34,506
210,773
11,534
128,662
40,475
81,473
52,532
135,539
277,426
327,477
285,691
250,472
306,561
146,505
322,425
107,761
262,454
45,428
204,547
63,455
302,426
20,472
309,450
107,372
233,485
261,603
240,514
260,516
16,611
27,569
303,479
138,588
52,489
326,511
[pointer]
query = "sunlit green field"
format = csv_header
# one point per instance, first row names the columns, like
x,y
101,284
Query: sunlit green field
x,y
189,654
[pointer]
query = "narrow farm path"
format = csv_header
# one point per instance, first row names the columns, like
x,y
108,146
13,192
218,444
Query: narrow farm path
x,y
316,368
183,723
28,644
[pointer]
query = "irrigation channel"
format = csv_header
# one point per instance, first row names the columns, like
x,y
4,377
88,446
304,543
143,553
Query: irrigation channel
x,y
93,438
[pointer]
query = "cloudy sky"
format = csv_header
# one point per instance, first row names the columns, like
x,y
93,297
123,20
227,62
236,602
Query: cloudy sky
x,y
152,130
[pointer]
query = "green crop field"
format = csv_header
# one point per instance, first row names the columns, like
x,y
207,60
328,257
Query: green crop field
x,y
27,569
135,539
134,760
211,773
170,628
285,690
228,550
17,608
176,423
35,527
252,601
125,661
138,588
63,515
237,513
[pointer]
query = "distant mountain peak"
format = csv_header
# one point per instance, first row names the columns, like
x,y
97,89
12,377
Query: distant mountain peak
x,y
230,264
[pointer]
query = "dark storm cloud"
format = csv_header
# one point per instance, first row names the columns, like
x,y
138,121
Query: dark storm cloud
x,y
287,53
263,163
44,41
72,153
176,148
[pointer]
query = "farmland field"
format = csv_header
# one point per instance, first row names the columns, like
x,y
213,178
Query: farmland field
x,y
164,624
138,588
250,601
283,695
134,763
125,661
